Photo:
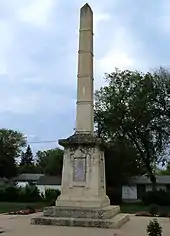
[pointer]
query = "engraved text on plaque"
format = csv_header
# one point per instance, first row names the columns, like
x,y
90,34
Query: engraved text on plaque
x,y
79,169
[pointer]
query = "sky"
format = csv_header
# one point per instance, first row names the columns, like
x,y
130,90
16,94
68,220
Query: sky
x,y
38,57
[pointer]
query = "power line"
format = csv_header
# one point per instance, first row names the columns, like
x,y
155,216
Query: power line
x,y
47,141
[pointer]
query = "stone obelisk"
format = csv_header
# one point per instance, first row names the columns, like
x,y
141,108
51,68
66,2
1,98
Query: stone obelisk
x,y
83,179
83,200
84,119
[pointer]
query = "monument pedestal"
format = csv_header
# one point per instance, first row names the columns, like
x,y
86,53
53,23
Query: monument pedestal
x,y
83,200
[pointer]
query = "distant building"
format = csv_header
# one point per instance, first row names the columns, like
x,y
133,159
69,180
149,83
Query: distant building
x,y
42,181
48,182
139,185
26,178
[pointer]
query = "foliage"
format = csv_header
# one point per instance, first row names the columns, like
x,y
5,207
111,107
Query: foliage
x,y
153,209
50,161
114,194
29,193
27,157
13,141
154,228
11,144
27,162
161,198
121,160
51,196
136,107
165,171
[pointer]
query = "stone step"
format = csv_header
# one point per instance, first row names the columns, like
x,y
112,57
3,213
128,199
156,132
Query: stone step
x,y
102,213
115,222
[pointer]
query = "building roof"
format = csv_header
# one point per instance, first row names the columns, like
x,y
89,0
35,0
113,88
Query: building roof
x,y
49,180
160,179
27,177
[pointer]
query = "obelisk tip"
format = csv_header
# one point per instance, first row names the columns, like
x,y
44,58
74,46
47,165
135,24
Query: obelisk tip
x,y
86,7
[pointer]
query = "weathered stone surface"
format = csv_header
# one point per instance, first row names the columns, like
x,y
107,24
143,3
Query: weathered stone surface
x,y
115,222
81,139
102,213
83,200
92,191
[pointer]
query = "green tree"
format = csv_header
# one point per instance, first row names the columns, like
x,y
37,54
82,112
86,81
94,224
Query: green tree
x,y
50,161
27,157
136,106
27,162
121,159
11,144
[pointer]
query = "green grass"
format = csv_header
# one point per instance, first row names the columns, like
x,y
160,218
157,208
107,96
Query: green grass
x,y
6,207
133,208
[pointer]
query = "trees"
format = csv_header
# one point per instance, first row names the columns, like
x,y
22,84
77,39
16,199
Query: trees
x,y
50,161
27,157
136,107
11,144
27,162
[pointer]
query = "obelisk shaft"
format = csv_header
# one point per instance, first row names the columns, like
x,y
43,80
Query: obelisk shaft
x,y
85,114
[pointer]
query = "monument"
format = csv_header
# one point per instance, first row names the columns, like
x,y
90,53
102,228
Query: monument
x,y
83,200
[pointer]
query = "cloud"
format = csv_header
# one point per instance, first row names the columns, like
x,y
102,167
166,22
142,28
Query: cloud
x,y
38,56
36,12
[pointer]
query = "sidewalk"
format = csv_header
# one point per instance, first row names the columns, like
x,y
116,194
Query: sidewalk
x,y
20,226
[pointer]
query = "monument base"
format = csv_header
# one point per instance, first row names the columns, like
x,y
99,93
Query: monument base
x,y
106,217
83,201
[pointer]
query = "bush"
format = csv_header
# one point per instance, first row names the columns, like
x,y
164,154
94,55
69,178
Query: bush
x,y
154,209
154,228
161,198
29,193
2,195
12,194
51,195
114,195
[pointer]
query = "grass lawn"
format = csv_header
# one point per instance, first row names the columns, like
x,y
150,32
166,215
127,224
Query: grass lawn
x,y
137,207
15,206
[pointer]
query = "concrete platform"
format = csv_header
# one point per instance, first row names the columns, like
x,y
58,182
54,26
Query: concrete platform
x,y
107,217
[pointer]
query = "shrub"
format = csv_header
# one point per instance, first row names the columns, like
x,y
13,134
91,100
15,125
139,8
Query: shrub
x,y
2,195
114,195
154,228
11,194
154,209
30,193
161,198
51,195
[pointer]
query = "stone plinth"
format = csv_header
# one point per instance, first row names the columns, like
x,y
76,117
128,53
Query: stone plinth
x,y
107,217
83,176
83,200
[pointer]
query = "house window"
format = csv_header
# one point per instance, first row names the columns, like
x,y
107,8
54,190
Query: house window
x,y
141,189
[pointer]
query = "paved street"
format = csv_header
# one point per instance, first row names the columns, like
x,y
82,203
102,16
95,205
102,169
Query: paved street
x,y
20,226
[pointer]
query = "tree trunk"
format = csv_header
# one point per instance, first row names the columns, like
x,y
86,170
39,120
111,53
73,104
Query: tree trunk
x,y
151,176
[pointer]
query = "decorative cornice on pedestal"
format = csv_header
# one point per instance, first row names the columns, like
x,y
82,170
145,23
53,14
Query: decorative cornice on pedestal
x,y
80,139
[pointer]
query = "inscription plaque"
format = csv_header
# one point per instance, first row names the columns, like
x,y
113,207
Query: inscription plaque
x,y
79,169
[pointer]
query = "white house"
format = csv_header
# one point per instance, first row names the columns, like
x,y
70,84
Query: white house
x,y
48,182
139,185
42,181
23,179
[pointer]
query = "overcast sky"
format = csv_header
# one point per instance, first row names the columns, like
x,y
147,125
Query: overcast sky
x,y
38,56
